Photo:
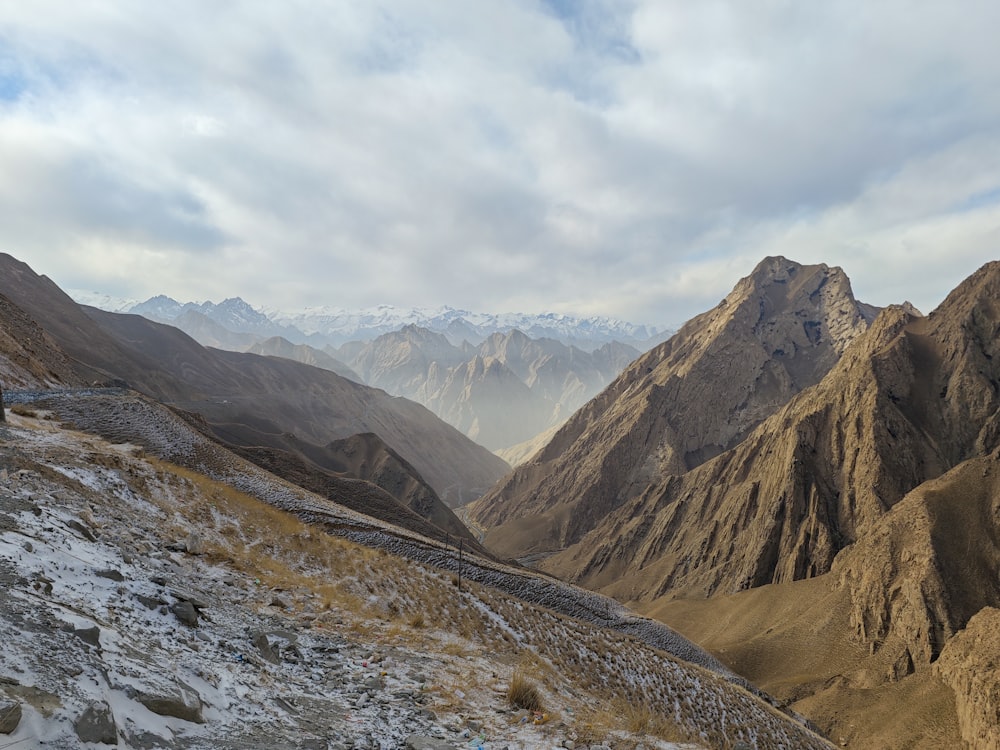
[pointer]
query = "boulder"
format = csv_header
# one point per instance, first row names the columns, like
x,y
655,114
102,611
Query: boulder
x,y
10,715
185,612
97,724
178,700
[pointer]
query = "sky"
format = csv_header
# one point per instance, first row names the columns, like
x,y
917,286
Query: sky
x,y
631,159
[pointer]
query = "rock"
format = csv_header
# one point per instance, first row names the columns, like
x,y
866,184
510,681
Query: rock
x,y
10,715
185,612
97,724
85,532
260,640
423,742
182,702
271,643
149,602
193,545
148,741
89,635
111,574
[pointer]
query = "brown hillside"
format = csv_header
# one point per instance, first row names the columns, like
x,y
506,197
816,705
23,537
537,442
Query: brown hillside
x,y
699,394
911,399
29,357
270,394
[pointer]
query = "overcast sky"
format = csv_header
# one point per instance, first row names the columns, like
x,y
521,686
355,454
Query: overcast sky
x,y
631,159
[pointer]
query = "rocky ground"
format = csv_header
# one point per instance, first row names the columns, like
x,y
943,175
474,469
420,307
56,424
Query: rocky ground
x,y
144,606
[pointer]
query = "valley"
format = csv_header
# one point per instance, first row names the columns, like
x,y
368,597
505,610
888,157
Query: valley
x,y
788,512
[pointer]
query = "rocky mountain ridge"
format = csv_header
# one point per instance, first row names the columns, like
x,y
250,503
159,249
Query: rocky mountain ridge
x,y
720,469
689,399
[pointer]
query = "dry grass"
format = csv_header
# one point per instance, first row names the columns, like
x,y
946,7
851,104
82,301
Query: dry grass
x,y
522,692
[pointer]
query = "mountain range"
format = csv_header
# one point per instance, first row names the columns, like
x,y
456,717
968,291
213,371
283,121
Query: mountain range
x,y
803,484
333,326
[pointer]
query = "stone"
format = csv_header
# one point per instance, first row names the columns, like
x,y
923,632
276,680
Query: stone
x,y
271,644
97,724
423,742
83,530
181,702
10,715
263,644
149,602
193,545
185,612
111,574
90,635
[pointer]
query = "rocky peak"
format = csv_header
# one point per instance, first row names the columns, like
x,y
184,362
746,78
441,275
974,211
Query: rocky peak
x,y
780,330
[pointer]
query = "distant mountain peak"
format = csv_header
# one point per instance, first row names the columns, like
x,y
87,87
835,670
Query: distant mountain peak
x,y
335,326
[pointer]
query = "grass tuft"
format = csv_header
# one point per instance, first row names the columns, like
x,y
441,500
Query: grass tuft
x,y
522,693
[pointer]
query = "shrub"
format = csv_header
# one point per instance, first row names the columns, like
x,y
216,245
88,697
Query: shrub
x,y
522,693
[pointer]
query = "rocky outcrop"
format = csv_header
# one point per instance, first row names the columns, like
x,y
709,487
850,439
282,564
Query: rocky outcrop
x,y
689,400
970,664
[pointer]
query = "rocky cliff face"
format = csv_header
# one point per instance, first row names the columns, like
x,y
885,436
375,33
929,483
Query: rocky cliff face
x,y
970,663
911,399
694,397
500,393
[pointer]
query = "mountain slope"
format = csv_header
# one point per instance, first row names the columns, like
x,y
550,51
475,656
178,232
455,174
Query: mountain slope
x,y
29,357
256,630
268,394
913,398
697,395
276,346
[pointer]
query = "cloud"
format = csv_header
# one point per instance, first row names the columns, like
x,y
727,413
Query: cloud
x,y
627,158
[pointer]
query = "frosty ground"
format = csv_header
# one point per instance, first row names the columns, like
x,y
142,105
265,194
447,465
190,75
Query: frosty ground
x,y
147,606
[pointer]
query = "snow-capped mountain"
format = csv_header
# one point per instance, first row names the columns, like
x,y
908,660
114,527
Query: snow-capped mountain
x,y
103,301
461,324
334,326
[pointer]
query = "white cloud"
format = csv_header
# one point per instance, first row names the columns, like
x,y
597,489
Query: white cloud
x,y
627,158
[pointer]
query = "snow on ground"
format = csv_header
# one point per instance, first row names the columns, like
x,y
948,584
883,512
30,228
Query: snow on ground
x,y
182,615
